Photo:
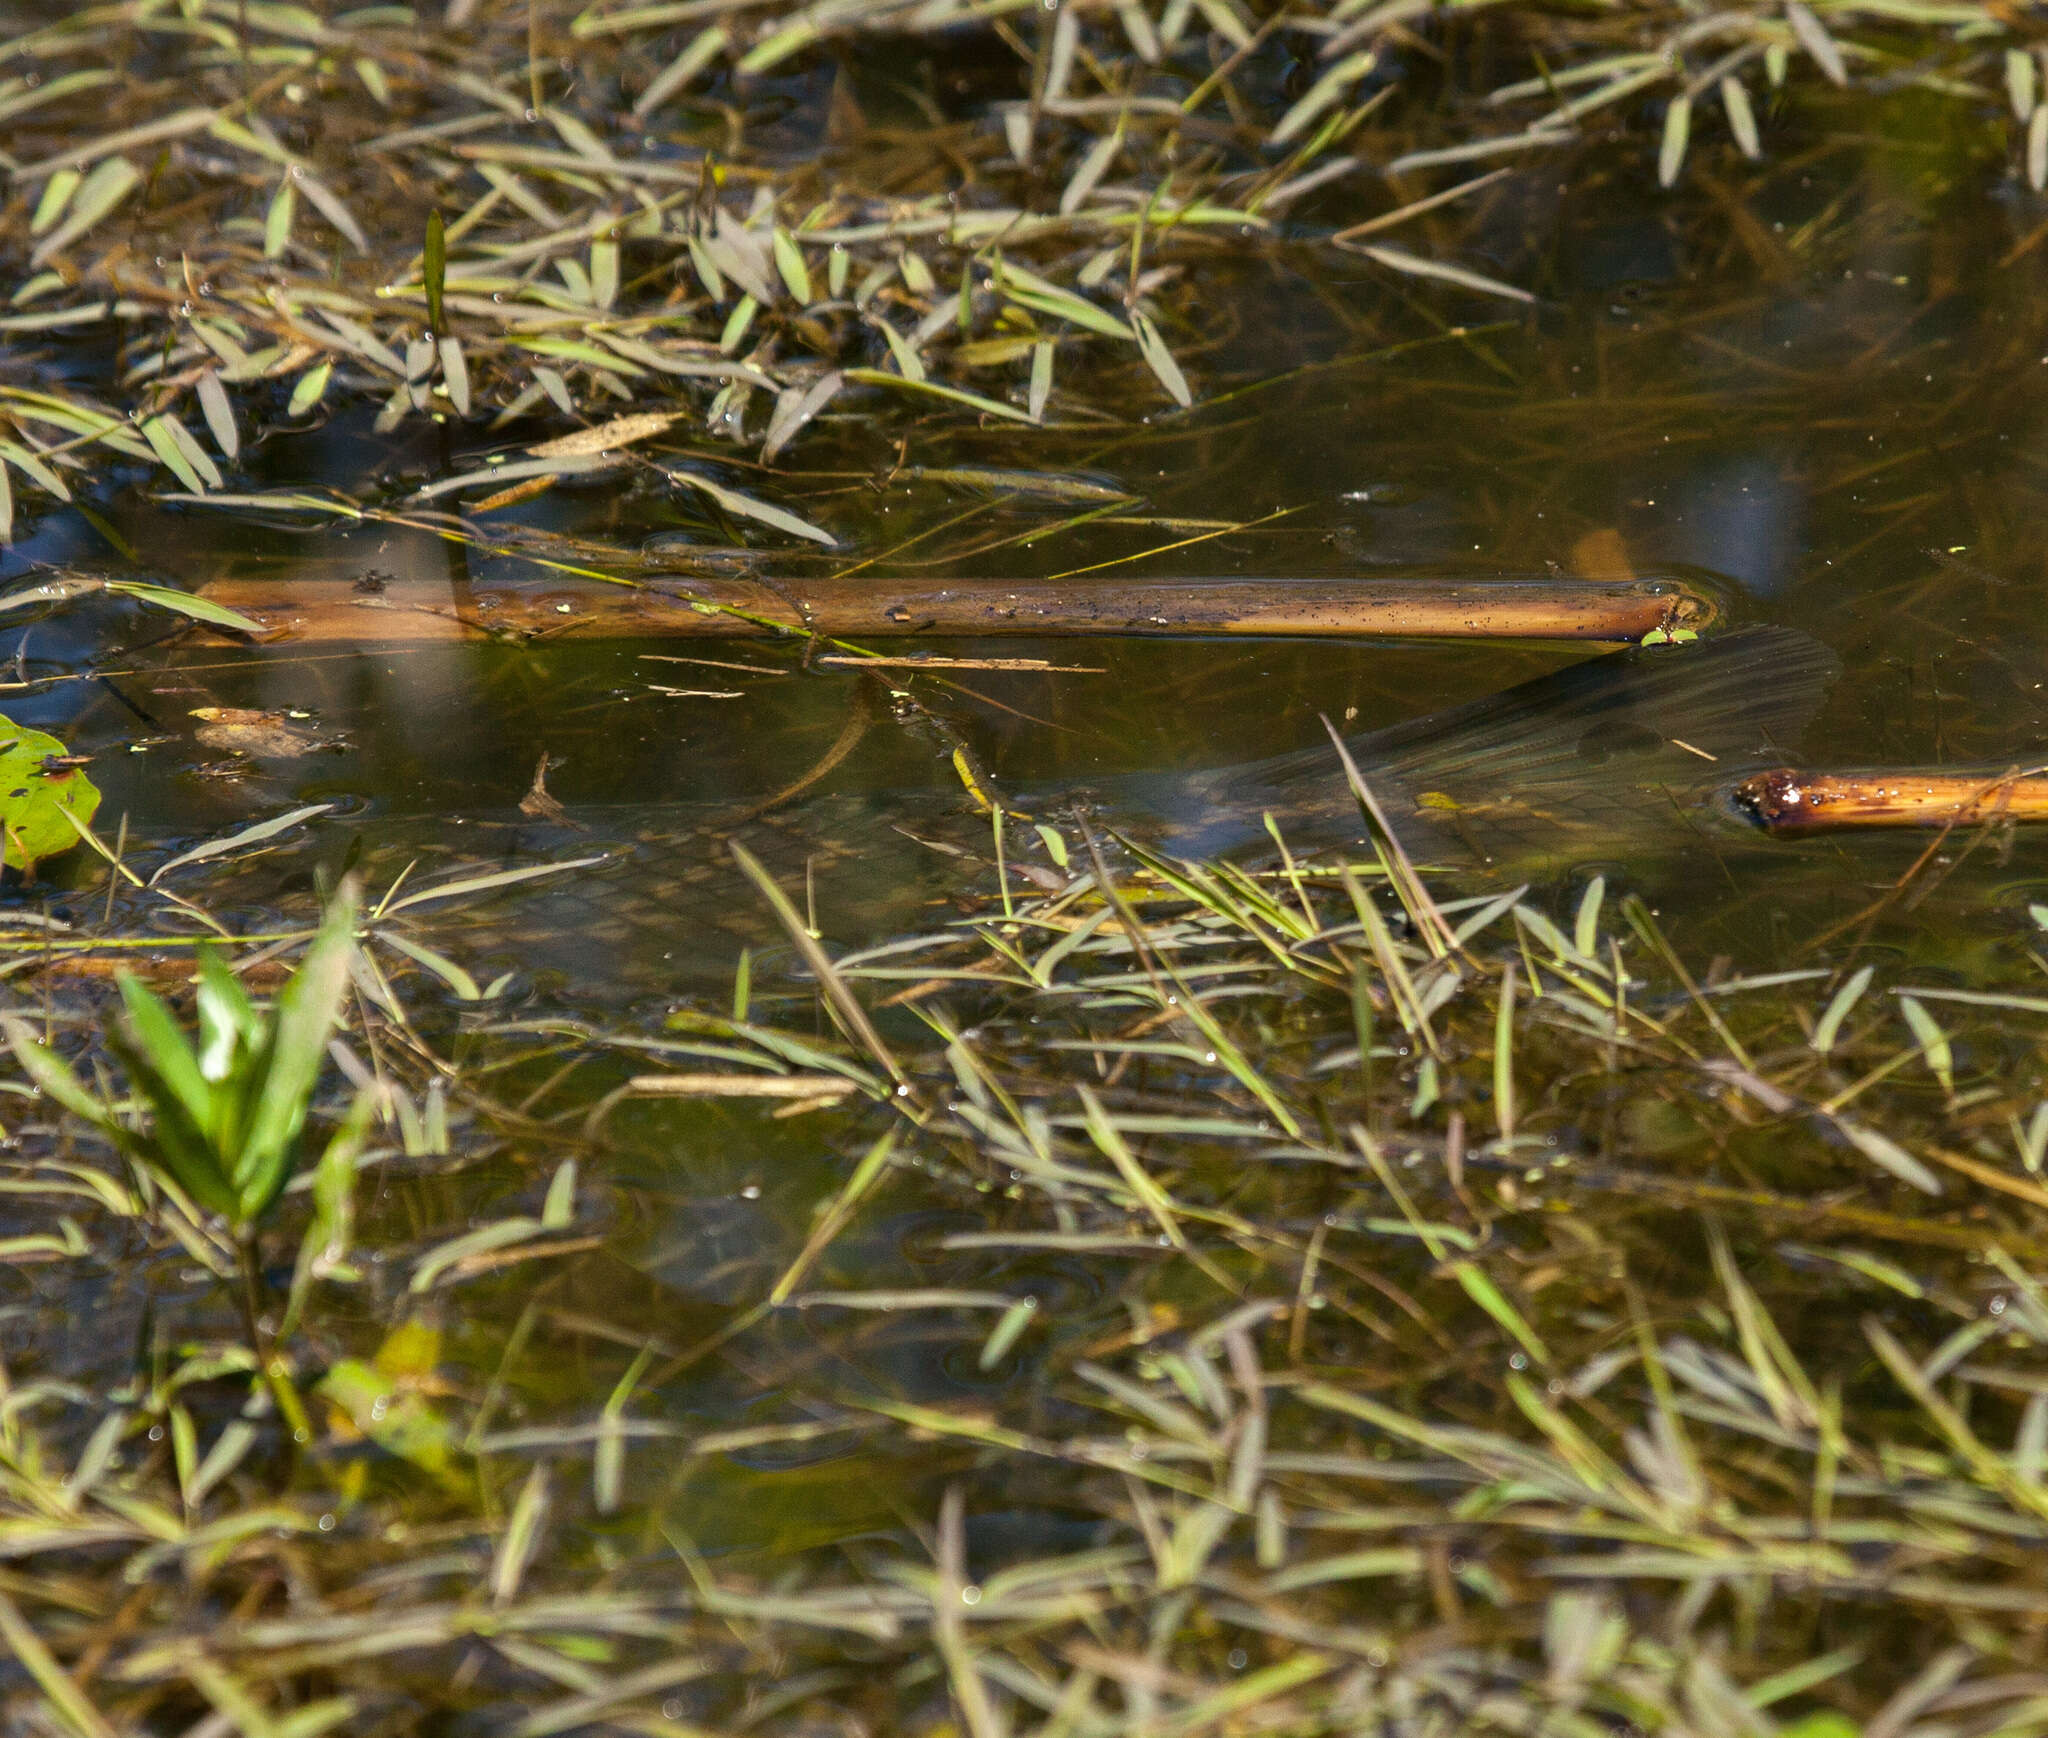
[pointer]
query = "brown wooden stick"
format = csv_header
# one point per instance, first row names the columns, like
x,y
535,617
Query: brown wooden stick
x,y
1790,803
327,612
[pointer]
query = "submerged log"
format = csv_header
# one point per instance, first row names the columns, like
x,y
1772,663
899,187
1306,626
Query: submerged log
x,y
329,612
1790,803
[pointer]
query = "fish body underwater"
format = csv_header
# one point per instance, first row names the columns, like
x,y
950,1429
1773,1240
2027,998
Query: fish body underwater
x,y
1619,758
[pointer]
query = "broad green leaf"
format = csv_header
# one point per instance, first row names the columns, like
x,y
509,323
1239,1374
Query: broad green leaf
x,y
36,792
154,1034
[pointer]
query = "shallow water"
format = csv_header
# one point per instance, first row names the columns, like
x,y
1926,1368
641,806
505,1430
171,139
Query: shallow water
x,y
1835,417
1818,389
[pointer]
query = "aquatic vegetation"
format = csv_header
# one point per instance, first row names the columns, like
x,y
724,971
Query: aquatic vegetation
x,y
220,1124
224,1119
753,216
44,796
1203,1281
1268,1302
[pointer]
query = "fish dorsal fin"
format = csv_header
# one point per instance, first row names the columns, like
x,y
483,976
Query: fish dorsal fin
x,y
1582,745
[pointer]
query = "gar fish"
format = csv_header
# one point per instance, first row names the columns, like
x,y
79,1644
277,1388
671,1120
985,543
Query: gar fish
x,y
1625,755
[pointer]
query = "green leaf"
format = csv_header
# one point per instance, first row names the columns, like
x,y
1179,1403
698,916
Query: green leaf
x,y
219,412
399,1420
278,220
35,795
157,431
326,1244
1414,266
736,324
176,1145
973,400
455,374
312,387
749,508
229,1025
184,603
908,363
1677,134
1479,1287
706,44
1160,360
110,182
301,1025
1032,291
778,45
434,269
1041,379
1742,117
789,261
604,271
53,1078
57,191
31,466
153,1035
237,840
328,203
